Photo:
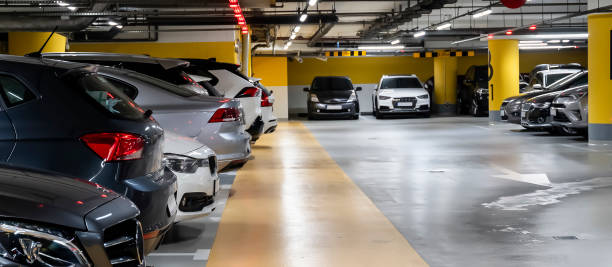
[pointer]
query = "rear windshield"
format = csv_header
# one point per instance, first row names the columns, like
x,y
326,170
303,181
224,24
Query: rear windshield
x,y
331,84
109,97
404,82
184,92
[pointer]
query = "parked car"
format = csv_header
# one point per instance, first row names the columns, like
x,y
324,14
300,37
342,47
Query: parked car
x,y
51,220
546,78
64,117
473,94
267,107
535,112
531,76
400,94
511,107
213,121
195,166
233,84
332,96
570,110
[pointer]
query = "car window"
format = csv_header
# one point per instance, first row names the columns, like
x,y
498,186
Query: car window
x,y
582,80
331,84
404,82
109,97
552,78
14,92
128,89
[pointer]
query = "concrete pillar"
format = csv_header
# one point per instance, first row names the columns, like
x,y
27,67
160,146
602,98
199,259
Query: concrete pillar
x,y
503,74
21,43
245,63
600,78
445,85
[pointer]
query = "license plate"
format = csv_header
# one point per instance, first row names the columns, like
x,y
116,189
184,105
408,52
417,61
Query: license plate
x,y
502,113
553,112
334,107
172,204
523,113
404,104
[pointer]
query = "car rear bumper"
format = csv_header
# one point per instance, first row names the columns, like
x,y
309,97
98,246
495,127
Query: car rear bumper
x,y
229,141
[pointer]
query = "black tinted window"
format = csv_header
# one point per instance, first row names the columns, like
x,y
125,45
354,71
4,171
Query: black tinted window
x,y
482,73
552,78
389,83
331,84
109,97
14,92
583,80
129,90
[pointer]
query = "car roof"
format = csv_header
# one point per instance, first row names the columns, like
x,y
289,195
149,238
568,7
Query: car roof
x,y
398,75
166,63
43,62
553,71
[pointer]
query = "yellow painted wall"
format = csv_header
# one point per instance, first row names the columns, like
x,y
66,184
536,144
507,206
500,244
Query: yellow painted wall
x,y
271,70
223,51
600,110
360,69
21,43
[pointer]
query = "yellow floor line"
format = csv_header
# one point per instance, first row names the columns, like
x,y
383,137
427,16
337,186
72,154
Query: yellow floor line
x,y
293,206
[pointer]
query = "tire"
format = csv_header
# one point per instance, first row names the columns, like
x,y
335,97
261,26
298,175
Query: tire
x,y
310,117
355,117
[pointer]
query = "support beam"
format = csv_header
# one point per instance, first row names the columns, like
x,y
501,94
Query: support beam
x,y
503,74
445,85
600,79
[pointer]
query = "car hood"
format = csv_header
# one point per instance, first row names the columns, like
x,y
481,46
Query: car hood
x,y
181,145
49,198
329,95
403,92
543,98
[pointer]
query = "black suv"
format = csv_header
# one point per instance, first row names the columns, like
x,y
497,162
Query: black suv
x,y
63,117
332,96
48,219
473,93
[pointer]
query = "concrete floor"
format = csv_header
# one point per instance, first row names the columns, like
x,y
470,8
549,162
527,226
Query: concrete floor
x,y
466,193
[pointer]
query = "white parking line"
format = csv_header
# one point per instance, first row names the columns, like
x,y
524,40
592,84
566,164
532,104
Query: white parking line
x,y
225,187
198,255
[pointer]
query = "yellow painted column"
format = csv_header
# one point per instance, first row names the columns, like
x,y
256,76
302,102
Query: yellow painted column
x,y
21,43
600,78
445,84
503,74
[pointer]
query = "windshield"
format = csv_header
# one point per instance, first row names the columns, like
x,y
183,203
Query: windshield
x,y
404,82
552,78
331,84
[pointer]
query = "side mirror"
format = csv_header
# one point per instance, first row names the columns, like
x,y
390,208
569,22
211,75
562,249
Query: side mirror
x,y
306,89
537,87
358,89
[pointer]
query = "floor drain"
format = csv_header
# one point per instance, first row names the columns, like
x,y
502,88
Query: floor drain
x,y
565,237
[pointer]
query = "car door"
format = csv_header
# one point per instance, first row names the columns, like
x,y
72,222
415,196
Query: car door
x,y
13,92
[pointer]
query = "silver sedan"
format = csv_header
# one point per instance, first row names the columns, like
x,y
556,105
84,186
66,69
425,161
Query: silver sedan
x,y
570,109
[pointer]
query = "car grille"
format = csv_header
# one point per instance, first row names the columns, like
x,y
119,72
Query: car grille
x,y
124,244
335,101
526,107
557,105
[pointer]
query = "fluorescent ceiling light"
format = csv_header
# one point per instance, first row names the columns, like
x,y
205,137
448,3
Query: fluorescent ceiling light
x,y
396,41
482,13
566,41
444,26
531,42
554,41
419,34
292,36
382,47
71,8
297,29
119,26
61,3
312,2
112,23
289,43
547,47
303,17
286,47
563,36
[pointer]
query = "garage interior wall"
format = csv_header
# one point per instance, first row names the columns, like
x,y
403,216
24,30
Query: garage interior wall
x,y
366,71
273,74
21,43
222,45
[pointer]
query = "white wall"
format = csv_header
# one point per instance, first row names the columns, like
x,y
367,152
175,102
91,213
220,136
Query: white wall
x,y
280,101
297,98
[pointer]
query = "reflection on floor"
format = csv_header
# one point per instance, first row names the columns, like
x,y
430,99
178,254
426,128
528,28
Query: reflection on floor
x,y
189,242
293,206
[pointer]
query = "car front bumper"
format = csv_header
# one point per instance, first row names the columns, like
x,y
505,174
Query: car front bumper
x,y
332,110
564,117
403,105
195,190
535,118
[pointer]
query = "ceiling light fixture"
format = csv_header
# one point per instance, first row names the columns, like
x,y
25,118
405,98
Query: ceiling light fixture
x,y
482,13
297,29
490,36
566,41
312,2
554,41
396,41
419,34
444,26
547,47
374,47
563,36
119,26
234,5
303,17
112,23
531,42
72,8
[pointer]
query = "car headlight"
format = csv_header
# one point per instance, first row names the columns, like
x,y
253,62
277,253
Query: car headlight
x,y
314,98
353,97
384,97
183,164
425,96
35,245
542,105
482,91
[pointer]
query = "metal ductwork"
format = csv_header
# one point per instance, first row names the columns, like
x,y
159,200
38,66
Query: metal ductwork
x,y
227,20
323,30
46,24
420,8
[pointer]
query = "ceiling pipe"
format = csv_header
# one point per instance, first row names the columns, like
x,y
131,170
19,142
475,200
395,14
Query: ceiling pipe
x,y
46,24
322,31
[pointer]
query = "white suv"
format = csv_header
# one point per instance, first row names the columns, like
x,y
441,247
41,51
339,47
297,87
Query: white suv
x,y
400,94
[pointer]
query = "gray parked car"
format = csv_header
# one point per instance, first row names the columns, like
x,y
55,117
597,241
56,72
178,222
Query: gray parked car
x,y
213,121
570,109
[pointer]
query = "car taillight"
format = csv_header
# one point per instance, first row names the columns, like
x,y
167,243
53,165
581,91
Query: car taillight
x,y
265,100
225,114
248,92
115,146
